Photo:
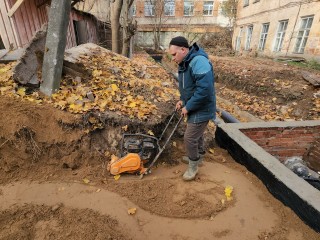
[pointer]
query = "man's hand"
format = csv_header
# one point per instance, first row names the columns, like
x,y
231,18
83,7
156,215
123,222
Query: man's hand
x,y
179,105
184,112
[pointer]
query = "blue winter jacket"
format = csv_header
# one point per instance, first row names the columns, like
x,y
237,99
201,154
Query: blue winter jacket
x,y
196,85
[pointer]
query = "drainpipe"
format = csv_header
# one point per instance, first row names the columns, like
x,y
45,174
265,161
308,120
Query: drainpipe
x,y
227,117
294,27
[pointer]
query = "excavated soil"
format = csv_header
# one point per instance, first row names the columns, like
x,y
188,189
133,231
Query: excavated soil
x,y
54,185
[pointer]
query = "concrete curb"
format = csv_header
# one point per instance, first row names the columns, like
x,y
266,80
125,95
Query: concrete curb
x,y
286,186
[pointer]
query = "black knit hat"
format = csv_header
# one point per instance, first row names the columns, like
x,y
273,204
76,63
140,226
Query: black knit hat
x,y
179,41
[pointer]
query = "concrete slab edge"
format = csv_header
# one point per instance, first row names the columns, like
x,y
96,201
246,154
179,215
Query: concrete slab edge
x,y
293,191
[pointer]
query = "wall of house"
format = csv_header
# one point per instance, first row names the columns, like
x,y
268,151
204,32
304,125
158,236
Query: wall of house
x,y
178,24
17,31
273,11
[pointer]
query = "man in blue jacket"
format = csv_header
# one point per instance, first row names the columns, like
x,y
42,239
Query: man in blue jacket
x,y
197,98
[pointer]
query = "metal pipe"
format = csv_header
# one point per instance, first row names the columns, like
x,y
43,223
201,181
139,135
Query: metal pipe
x,y
227,117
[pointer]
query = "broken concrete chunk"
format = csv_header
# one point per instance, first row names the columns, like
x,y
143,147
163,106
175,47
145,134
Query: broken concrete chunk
x,y
29,67
90,96
311,78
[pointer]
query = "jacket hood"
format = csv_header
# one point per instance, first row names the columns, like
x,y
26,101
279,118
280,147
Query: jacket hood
x,y
194,50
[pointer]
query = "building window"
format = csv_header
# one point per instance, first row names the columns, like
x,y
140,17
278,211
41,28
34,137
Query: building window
x,y
263,36
303,34
169,8
188,8
248,37
282,28
238,40
208,8
245,3
149,8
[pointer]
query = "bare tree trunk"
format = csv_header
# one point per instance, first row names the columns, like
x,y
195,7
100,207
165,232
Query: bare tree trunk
x,y
125,26
116,6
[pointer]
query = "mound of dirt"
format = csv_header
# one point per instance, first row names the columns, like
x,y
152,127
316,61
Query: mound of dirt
x,y
267,89
54,183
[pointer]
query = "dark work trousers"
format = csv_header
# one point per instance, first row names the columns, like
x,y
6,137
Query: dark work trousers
x,y
193,139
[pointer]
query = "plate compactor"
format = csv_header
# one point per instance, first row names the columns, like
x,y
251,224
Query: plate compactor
x,y
139,152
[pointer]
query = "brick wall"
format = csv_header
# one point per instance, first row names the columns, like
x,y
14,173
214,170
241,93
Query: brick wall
x,y
286,142
312,157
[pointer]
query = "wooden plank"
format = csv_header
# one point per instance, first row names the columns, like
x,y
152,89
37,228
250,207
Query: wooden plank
x,y
26,21
3,33
20,28
13,21
15,7
8,25
30,17
35,15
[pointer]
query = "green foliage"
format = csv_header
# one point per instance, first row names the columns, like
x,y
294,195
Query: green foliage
x,y
312,64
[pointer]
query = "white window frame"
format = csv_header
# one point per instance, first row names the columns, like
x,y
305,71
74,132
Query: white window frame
x,y
282,28
238,40
303,34
169,8
188,8
149,8
248,37
208,8
263,36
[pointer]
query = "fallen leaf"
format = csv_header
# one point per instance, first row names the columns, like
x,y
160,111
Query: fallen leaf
x,y
98,190
228,191
174,144
86,180
116,177
211,150
150,133
21,92
132,211
114,87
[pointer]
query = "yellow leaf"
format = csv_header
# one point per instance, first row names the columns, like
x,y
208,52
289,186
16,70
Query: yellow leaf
x,y
132,105
150,133
174,144
4,89
86,180
228,190
125,128
96,73
21,92
211,150
76,108
116,177
114,87
132,211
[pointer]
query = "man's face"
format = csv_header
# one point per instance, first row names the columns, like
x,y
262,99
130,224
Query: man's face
x,y
178,53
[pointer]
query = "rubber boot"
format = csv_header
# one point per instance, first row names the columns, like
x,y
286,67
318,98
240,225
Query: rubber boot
x,y
186,159
192,171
